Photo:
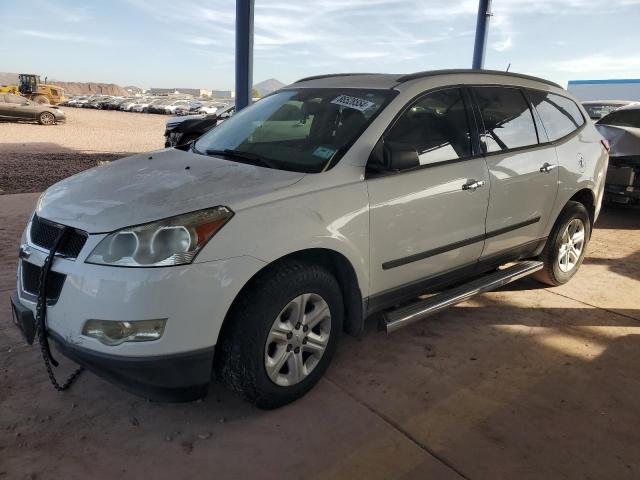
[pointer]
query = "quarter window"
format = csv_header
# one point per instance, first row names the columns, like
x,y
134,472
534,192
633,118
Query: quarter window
x,y
436,126
10,98
560,115
508,121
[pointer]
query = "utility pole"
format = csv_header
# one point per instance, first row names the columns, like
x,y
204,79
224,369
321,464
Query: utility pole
x,y
482,26
244,52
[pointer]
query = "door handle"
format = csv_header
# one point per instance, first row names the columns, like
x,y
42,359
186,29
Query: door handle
x,y
472,185
547,167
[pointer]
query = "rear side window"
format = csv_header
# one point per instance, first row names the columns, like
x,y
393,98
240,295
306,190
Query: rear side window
x,y
436,126
10,98
508,121
560,115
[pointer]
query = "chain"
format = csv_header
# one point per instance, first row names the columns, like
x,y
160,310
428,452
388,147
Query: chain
x,y
41,314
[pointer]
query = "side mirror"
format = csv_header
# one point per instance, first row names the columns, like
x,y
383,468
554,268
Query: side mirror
x,y
393,157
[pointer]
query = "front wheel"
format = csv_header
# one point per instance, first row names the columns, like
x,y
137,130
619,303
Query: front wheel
x,y
46,118
281,334
566,246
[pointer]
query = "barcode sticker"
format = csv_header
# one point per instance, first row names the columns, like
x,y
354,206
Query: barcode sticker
x,y
353,102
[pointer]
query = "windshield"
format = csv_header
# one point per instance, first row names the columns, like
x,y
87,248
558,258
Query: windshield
x,y
305,130
599,110
622,118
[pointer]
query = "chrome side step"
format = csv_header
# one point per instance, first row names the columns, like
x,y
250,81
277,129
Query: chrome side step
x,y
403,316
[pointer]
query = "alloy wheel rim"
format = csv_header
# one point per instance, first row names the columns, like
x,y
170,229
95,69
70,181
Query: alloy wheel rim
x,y
47,118
297,339
571,245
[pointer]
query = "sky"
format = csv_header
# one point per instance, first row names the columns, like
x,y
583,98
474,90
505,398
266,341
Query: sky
x,y
190,43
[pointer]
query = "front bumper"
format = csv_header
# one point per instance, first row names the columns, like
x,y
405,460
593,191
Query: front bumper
x,y
623,180
179,377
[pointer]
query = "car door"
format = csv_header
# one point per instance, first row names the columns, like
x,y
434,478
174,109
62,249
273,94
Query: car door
x,y
429,219
523,170
21,107
5,108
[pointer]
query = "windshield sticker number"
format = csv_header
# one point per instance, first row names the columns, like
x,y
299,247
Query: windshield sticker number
x,y
353,102
324,152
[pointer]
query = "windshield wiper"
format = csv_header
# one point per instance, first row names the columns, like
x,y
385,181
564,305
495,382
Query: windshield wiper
x,y
244,156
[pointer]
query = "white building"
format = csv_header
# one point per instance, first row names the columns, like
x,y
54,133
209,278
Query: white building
x,y
619,89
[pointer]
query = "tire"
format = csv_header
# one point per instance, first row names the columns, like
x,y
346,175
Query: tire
x,y
46,118
560,261
250,346
40,99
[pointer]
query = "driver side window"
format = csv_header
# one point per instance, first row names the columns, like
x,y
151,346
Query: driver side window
x,y
436,126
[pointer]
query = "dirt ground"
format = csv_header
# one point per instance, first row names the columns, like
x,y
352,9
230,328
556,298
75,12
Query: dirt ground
x,y
526,382
33,157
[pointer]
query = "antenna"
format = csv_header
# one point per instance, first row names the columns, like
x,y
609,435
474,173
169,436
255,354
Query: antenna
x,y
508,67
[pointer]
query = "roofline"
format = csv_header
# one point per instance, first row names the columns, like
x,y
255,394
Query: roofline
x,y
329,75
433,73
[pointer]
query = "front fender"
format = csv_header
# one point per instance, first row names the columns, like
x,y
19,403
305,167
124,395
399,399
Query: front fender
x,y
334,219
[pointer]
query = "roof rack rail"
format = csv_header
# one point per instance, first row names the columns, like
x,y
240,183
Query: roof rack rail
x,y
329,75
432,73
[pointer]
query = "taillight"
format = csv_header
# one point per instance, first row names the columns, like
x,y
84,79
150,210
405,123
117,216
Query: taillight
x,y
605,143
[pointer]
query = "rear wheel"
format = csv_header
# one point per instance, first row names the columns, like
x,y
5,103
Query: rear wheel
x,y
281,334
46,118
566,246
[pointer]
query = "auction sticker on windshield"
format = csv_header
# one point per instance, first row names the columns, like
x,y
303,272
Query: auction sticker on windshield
x,y
353,102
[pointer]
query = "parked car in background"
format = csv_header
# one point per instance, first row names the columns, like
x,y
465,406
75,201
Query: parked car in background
x,y
622,129
15,107
173,106
128,105
209,107
158,105
182,130
599,108
334,199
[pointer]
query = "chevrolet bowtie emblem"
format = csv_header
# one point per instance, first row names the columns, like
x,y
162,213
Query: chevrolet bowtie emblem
x,y
25,251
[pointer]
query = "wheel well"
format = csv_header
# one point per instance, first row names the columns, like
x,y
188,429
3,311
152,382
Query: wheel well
x,y
340,267
586,198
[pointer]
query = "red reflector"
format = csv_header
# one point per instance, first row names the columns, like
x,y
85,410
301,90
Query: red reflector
x,y
605,143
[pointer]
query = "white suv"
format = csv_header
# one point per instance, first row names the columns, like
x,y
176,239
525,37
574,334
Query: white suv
x,y
248,252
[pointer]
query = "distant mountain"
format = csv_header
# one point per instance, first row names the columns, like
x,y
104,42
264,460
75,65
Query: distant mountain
x,y
268,86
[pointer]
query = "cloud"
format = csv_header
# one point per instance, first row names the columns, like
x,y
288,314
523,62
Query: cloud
x,y
598,62
65,37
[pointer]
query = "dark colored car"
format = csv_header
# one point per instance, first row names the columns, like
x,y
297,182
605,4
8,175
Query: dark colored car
x,y
182,130
15,107
622,129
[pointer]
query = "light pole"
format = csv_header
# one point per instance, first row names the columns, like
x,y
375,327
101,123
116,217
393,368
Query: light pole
x,y
244,52
482,26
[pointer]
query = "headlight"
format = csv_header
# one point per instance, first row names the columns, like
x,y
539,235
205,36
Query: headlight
x,y
173,241
112,332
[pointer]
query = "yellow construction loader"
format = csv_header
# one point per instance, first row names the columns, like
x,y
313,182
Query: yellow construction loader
x,y
30,86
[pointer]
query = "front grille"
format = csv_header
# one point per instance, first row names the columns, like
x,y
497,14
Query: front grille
x,y
31,281
44,233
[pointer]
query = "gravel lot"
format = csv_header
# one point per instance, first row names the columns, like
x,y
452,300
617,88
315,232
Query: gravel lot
x,y
33,157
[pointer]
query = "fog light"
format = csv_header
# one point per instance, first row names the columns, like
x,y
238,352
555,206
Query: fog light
x,y
114,332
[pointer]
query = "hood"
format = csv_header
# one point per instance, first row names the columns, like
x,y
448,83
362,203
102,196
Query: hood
x,y
189,122
624,141
152,186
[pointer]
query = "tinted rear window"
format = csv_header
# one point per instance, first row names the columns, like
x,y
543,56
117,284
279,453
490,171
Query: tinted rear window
x,y
508,122
560,115
622,118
